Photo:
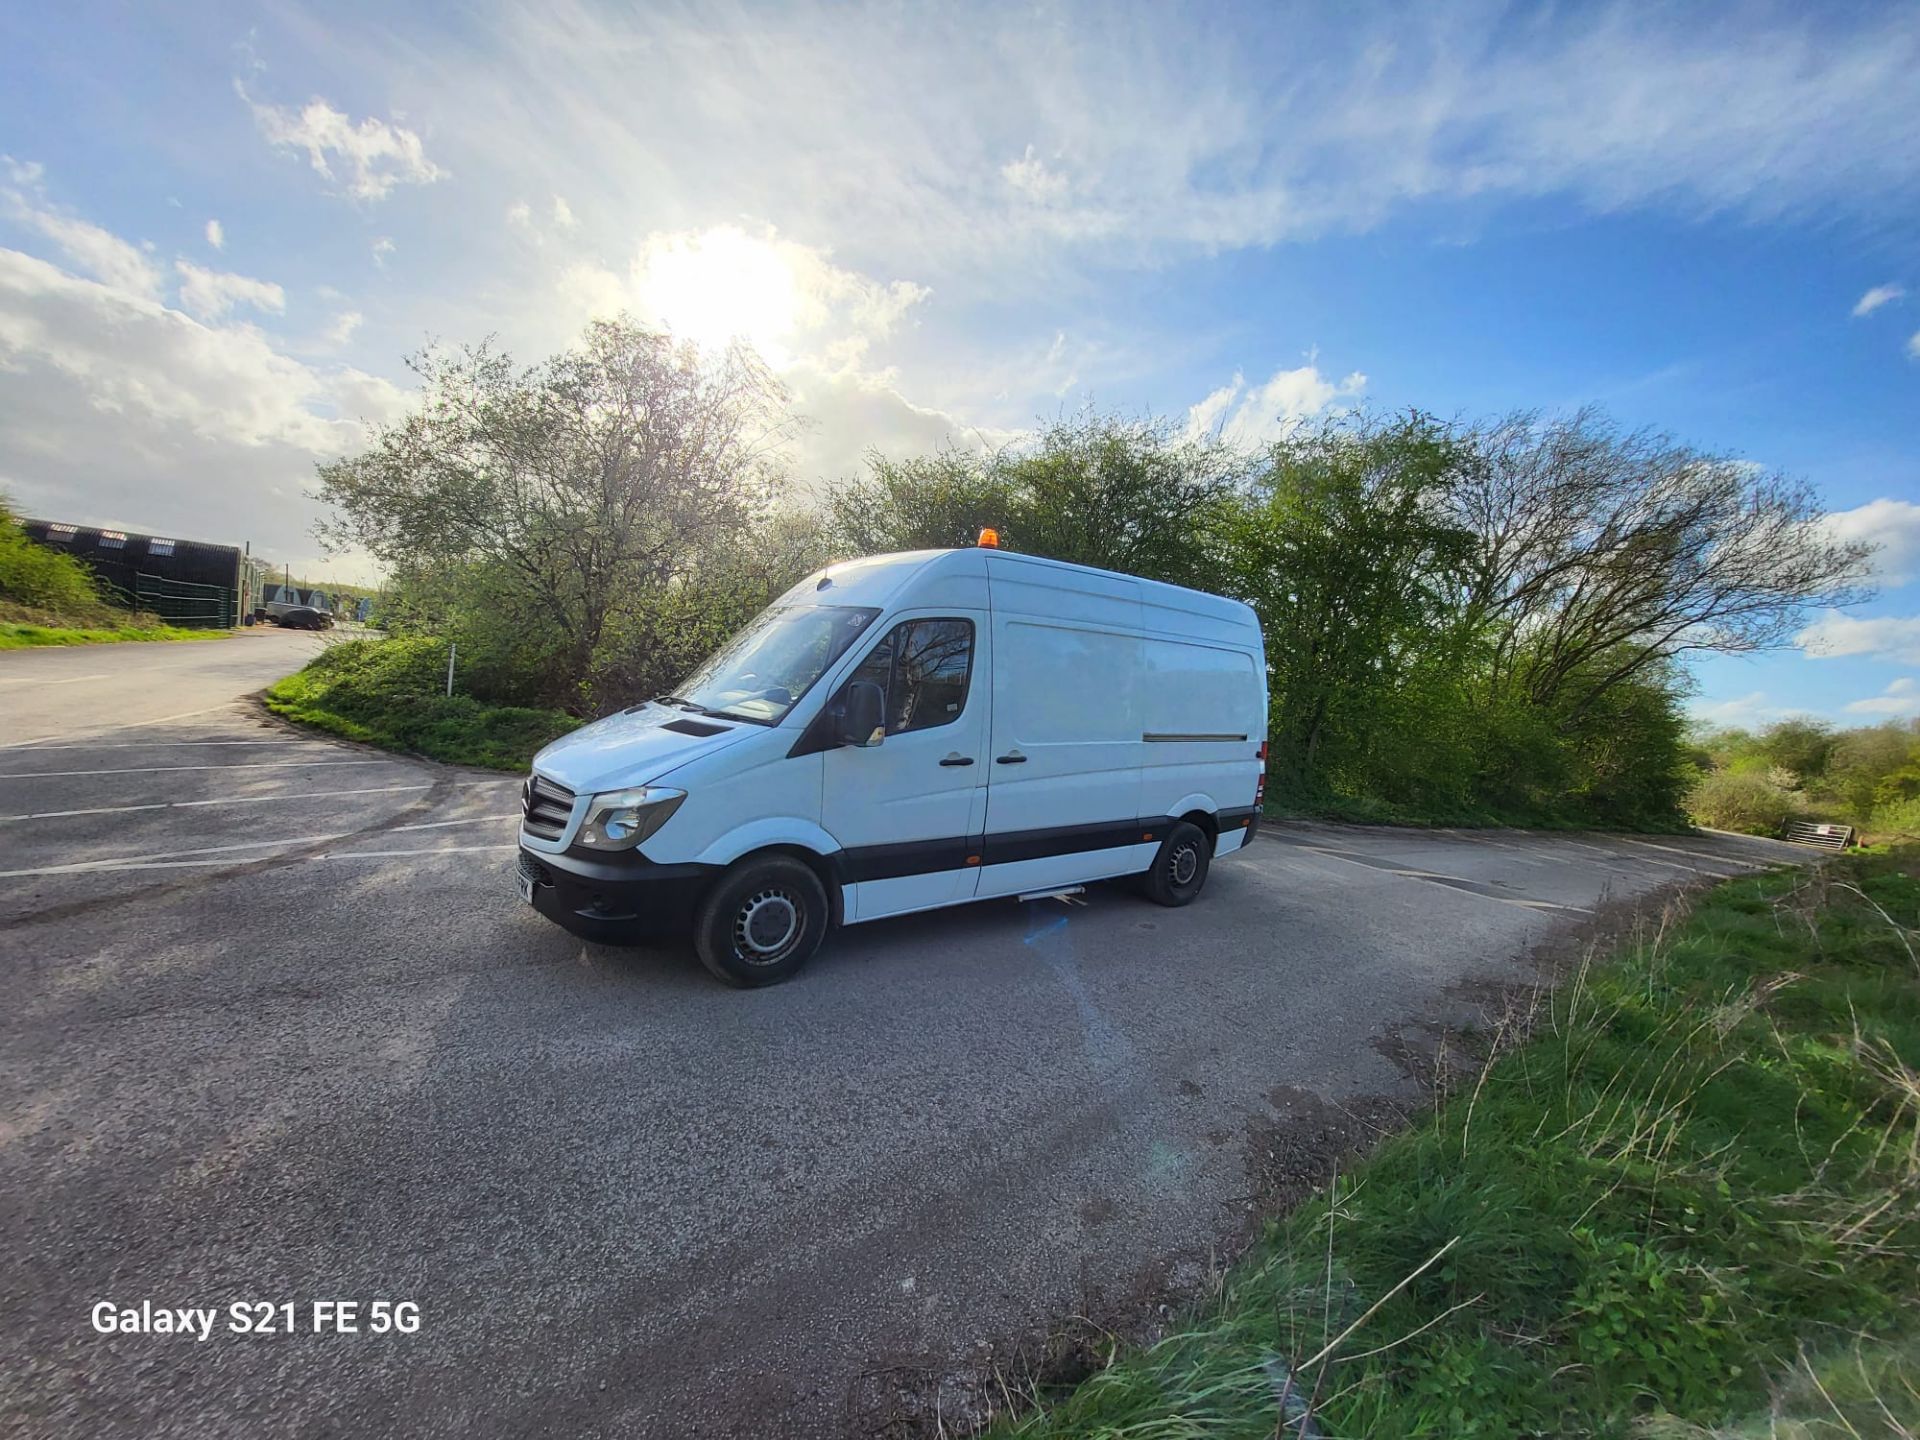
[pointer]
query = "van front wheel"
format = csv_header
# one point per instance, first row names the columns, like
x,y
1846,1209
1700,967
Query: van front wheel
x,y
761,922
1180,869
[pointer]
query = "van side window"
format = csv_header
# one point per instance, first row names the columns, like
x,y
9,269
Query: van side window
x,y
923,667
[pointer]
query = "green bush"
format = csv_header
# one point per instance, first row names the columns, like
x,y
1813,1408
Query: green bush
x,y
34,575
1898,821
392,693
1743,801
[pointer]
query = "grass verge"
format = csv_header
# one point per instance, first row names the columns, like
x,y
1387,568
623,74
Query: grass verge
x,y
16,635
1685,1193
85,623
391,693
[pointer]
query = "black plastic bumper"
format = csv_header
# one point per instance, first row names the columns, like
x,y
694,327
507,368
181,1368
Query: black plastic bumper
x,y
1246,819
614,897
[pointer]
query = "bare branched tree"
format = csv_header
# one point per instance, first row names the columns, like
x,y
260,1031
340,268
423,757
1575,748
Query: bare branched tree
x,y
1602,554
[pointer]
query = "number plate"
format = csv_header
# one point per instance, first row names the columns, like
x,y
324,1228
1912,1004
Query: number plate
x,y
523,882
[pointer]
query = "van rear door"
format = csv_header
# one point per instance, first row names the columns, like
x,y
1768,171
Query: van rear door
x,y
1063,785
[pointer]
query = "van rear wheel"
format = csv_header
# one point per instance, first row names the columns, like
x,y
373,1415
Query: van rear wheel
x,y
1179,871
762,921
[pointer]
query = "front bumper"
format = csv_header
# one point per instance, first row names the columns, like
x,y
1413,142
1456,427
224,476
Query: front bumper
x,y
614,896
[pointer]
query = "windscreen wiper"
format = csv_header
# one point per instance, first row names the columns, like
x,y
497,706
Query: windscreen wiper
x,y
683,703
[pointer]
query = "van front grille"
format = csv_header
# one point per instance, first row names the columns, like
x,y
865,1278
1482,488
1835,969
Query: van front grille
x,y
544,807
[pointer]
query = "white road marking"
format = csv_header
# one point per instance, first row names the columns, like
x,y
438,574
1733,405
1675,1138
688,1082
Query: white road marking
x,y
167,769
116,729
149,744
390,854
36,680
1701,862
282,841
192,804
246,800
1457,880
1619,859
226,852
442,824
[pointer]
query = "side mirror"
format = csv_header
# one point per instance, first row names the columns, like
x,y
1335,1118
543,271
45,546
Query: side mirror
x,y
862,715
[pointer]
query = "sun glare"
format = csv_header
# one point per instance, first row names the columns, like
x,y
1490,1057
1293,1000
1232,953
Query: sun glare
x,y
721,285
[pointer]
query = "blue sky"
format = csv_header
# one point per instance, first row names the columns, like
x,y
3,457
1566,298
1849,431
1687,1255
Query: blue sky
x,y
221,230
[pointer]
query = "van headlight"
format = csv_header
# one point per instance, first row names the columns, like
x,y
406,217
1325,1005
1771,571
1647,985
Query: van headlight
x,y
621,819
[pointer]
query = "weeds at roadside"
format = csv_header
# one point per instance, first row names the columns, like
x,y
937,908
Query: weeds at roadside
x,y
1691,1168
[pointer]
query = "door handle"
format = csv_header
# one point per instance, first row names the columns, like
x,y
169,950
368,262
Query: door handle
x,y
1009,759
958,760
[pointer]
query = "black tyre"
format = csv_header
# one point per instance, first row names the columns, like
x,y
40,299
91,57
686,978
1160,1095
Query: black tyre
x,y
1180,869
762,921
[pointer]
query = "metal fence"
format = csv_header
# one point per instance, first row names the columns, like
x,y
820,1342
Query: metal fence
x,y
1832,837
204,607
177,602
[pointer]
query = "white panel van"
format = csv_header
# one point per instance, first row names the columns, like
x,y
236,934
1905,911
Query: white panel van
x,y
904,732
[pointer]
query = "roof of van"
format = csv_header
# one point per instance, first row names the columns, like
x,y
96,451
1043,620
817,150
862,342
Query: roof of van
x,y
867,570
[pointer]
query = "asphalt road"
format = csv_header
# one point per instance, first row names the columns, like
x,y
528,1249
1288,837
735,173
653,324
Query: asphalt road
x,y
278,1030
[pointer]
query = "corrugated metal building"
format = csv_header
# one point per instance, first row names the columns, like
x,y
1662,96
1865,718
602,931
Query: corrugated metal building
x,y
185,582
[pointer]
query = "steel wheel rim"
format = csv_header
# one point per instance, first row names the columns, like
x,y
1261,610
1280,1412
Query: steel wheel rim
x,y
767,927
1184,865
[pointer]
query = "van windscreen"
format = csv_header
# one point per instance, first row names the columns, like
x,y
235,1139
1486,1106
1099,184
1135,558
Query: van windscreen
x,y
761,673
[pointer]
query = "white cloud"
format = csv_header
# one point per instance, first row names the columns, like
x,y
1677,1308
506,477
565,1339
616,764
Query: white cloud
x,y
553,222
1902,697
1893,526
210,294
98,252
1743,712
848,414
123,411
373,155
1252,417
1913,345
990,135
340,329
216,235
382,247
1876,297
1033,178
1894,638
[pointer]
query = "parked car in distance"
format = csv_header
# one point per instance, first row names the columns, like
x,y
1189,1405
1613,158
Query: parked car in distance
x,y
302,617
905,732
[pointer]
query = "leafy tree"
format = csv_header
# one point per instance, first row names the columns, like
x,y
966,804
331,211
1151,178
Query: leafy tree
x,y
1345,550
1800,746
1127,495
1749,803
551,500
932,502
1863,758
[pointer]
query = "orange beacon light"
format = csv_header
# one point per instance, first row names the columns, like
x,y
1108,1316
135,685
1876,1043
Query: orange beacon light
x,y
989,538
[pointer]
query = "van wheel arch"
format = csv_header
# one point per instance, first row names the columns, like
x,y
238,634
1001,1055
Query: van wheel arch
x,y
822,867
1207,823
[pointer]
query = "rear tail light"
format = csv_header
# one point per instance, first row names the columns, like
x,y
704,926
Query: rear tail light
x,y
1263,751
